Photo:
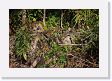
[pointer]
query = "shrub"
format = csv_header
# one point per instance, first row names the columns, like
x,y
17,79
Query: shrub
x,y
22,43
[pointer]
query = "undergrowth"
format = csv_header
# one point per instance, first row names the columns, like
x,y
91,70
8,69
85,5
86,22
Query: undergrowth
x,y
22,43
84,24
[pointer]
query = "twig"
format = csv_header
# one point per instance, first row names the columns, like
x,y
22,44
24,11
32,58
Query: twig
x,y
44,16
86,37
71,44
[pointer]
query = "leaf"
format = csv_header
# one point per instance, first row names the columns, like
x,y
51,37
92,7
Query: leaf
x,y
25,56
34,19
45,28
62,58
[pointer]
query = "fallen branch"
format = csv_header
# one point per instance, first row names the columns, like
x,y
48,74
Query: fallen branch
x,y
72,44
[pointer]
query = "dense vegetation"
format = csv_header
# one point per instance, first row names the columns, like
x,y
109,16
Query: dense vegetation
x,y
54,38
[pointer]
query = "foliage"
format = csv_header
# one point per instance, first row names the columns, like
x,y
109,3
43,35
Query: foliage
x,y
37,14
89,29
15,19
22,43
84,24
52,21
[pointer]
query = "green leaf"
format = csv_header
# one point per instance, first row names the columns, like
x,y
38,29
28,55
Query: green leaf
x,y
34,19
63,58
45,28
25,56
